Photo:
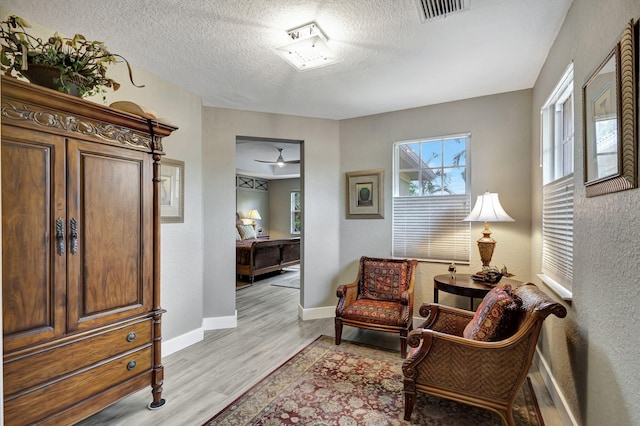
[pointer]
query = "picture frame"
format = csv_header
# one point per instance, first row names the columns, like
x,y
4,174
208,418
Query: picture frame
x,y
171,193
365,195
609,115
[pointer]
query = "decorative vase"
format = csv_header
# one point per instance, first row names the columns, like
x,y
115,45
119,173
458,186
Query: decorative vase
x,y
46,75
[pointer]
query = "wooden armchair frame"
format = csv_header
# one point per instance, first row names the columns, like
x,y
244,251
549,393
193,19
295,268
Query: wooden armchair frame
x,y
349,293
483,374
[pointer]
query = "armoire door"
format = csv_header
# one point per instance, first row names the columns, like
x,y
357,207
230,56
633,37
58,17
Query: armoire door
x,y
109,215
33,244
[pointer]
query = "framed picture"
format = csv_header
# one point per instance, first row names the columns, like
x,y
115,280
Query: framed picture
x,y
171,191
365,199
610,145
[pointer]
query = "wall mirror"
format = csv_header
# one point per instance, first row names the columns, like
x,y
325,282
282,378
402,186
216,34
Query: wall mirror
x,y
609,121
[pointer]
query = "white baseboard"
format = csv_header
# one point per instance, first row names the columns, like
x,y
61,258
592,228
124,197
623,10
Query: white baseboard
x,y
194,336
177,343
218,323
557,396
316,313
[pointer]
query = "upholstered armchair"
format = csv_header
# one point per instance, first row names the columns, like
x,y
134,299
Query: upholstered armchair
x,y
487,372
381,298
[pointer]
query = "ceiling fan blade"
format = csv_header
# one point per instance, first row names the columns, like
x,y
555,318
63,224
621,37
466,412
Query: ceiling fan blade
x,y
280,161
274,162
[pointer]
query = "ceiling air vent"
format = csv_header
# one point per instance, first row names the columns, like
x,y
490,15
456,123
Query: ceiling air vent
x,y
430,9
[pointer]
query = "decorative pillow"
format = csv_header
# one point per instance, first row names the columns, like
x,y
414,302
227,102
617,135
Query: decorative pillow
x,y
238,237
384,279
246,232
496,316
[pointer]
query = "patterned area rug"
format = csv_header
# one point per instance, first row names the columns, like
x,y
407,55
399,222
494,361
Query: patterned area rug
x,y
353,385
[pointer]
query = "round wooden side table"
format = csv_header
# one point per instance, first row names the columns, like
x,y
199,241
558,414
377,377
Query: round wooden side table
x,y
464,285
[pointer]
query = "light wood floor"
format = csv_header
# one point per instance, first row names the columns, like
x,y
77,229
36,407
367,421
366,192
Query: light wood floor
x,y
204,378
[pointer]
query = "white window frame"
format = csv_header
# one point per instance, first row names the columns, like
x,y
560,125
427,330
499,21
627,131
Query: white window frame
x,y
556,160
430,227
293,209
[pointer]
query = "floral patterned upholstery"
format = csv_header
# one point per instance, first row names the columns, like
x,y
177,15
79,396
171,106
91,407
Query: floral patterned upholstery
x,y
376,313
384,279
381,298
495,317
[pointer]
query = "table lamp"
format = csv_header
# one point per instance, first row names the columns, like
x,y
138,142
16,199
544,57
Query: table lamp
x,y
254,215
487,209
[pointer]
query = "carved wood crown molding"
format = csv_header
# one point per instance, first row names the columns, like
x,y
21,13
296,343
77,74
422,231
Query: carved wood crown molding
x,y
70,123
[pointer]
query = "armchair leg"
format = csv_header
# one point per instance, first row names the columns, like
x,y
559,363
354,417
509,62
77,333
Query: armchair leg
x,y
409,403
403,343
338,331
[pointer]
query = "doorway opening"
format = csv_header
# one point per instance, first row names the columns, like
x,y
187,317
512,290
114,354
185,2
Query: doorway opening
x,y
269,201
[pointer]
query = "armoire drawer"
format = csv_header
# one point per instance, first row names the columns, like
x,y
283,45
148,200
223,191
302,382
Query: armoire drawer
x,y
45,401
57,361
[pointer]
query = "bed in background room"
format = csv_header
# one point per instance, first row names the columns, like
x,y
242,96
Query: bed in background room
x,y
259,255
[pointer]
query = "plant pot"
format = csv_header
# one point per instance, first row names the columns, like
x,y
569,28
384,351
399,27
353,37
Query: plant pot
x,y
46,75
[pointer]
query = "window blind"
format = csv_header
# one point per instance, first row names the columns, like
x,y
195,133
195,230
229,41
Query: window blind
x,y
431,228
557,230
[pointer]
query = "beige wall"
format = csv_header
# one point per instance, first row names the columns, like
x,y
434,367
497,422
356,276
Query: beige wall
x,y
319,185
280,207
593,353
499,162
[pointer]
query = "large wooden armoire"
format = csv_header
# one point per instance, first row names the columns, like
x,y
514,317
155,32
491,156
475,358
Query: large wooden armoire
x,y
80,255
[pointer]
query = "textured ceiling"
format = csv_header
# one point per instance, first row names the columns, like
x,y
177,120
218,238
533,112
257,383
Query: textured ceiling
x,y
223,50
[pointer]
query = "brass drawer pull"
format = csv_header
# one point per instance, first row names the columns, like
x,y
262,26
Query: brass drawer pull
x,y
131,365
131,337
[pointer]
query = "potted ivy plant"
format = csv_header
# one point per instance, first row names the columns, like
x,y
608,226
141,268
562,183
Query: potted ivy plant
x,y
72,65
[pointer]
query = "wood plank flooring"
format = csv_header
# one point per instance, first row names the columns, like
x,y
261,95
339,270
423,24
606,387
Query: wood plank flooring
x,y
204,378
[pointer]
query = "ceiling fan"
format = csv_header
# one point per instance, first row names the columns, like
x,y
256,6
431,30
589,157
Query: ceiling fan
x,y
279,161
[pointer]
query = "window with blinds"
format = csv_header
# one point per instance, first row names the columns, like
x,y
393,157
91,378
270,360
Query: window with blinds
x,y
431,199
431,228
557,231
557,133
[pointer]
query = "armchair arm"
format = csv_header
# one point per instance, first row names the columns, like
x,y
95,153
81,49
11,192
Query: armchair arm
x,y
406,298
347,294
445,319
466,366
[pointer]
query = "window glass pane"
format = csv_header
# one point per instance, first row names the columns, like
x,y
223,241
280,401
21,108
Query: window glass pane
x,y
296,216
454,181
296,222
408,184
296,201
442,168
567,118
455,152
431,182
431,154
409,156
